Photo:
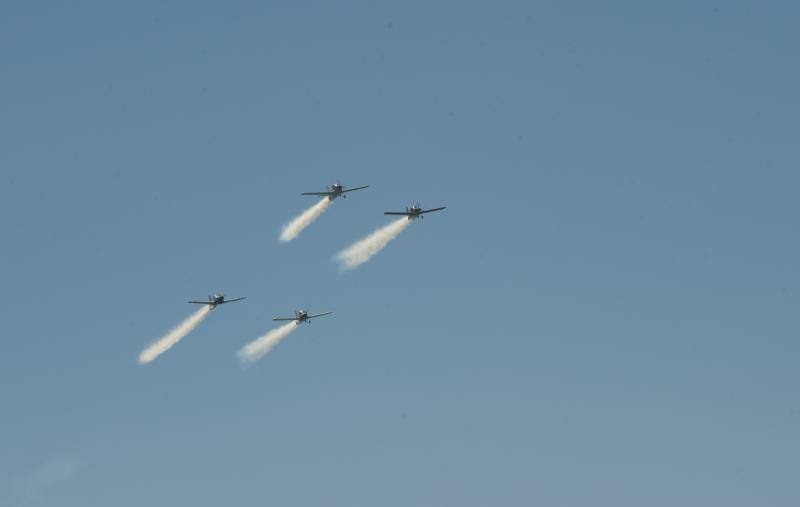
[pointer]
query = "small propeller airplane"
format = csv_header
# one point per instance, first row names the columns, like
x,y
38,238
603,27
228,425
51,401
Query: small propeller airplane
x,y
302,316
216,299
335,190
414,211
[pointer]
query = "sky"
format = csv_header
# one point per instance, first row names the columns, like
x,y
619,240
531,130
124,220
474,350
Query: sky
x,y
605,314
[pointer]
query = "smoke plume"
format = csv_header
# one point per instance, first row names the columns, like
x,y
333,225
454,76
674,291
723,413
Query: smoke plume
x,y
257,348
364,249
304,219
165,343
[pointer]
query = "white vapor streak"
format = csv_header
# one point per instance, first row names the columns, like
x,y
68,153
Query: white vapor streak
x,y
165,343
304,219
364,249
257,348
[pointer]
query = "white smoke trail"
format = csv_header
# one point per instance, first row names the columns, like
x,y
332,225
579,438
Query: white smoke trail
x,y
165,343
364,249
254,350
304,219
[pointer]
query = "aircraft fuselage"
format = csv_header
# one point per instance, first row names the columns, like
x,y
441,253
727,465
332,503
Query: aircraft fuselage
x,y
414,213
337,191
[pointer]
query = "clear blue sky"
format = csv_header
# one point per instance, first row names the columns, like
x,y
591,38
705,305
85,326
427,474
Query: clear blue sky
x,y
606,314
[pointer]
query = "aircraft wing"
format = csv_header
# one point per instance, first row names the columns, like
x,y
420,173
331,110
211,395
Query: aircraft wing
x,y
319,315
284,318
231,300
317,193
396,213
431,210
202,302
356,188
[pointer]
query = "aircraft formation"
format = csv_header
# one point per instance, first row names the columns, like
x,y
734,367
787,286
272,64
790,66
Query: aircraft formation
x,y
351,257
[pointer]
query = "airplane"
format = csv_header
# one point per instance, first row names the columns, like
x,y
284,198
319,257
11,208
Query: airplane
x,y
216,299
414,211
302,316
335,190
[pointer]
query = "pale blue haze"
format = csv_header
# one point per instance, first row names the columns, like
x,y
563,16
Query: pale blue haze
x,y
606,314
